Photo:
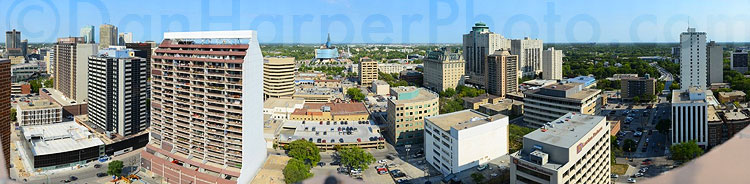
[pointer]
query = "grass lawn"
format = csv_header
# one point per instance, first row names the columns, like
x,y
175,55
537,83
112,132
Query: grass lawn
x,y
619,169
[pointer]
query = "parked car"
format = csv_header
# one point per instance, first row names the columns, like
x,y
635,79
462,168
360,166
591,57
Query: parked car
x,y
631,180
321,164
482,167
101,174
73,178
614,176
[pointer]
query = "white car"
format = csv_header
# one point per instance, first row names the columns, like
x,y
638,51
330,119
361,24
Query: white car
x,y
382,161
631,180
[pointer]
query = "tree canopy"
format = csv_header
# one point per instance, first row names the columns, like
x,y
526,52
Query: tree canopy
x,y
296,171
355,157
303,150
115,168
355,94
685,151
663,126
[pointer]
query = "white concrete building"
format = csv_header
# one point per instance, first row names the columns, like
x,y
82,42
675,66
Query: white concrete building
x,y
395,67
281,108
715,63
380,87
461,140
690,115
38,112
552,64
479,43
529,52
571,149
693,65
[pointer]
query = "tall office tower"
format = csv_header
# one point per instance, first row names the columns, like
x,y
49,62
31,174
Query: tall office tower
x,y
549,102
573,148
71,67
443,69
5,110
278,77
117,91
693,60
368,71
501,73
529,54
479,43
690,115
407,108
25,48
87,32
739,61
12,39
715,63
552,64
124,38
206,108
50,61
107,36
147,48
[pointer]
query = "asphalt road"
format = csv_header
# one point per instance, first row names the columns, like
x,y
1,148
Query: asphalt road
x,y
88,174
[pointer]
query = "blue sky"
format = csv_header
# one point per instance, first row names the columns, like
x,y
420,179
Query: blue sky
x,y
386,21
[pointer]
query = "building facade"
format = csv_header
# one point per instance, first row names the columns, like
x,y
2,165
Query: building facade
x,y
443,69
739,60
529,52
71,67
693,61
715,55
632,87
206,108
12,39
571,149
690,116
502,73
87,33
368,71
552,64
5,123
124,38
38,112
460,140
278,77
407,108
108,36
477,45
118,91
550,102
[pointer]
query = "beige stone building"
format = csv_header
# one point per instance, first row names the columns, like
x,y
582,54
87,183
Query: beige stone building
x,y
443,69
632,87
407,109
278,77
368,71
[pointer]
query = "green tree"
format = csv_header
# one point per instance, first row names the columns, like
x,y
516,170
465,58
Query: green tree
x,y
630,145
637,99
35,85
663,126
477,177
448,93
685,151
615,150
303,150
355,94
516,136
13,114
674,86
49,83
355,157
296,171
115,168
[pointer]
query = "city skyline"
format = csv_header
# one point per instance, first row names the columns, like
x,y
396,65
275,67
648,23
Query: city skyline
x,y
428,21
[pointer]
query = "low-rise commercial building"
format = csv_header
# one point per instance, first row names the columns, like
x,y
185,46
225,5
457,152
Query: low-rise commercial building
x,y
22,88
317,95
38,112
508,107
587,81
281,108
396,67
461,140
329,134
571,149
70,106
475,102
380,87
724,124
331,112
59,145
407,108
550,102
734,96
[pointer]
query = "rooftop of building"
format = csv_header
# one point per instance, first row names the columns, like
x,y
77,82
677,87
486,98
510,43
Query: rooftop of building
x,y
733,93
712,115
58,97
582,79
461,120
279,60
566,130
36,104
379,82
479,98
59,138
365,131
282,102
503,105
566,90
540,82
692,95
411,94
333,108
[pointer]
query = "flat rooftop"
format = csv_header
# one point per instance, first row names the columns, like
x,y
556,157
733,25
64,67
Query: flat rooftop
x,y
566,130
59,138
282,102
683,96
734,116
423,95
293,130
36,104
59,97
462,119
